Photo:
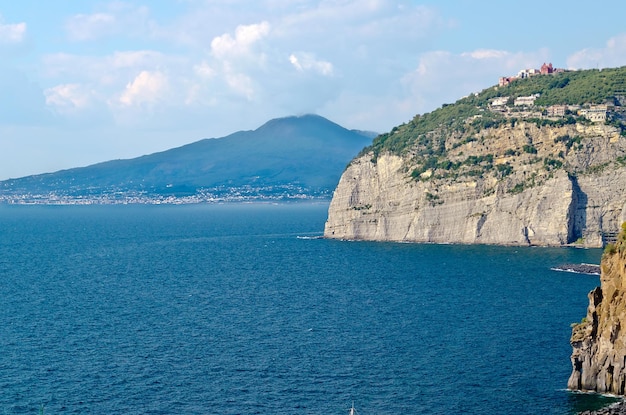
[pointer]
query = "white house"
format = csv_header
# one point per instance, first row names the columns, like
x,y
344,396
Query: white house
x,y
528,101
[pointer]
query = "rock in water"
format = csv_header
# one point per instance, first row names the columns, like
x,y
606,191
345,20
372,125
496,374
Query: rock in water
x,y
591,269
615,409
599,346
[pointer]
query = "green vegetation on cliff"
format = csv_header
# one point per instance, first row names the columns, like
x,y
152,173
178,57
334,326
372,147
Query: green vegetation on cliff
x,y
570,87
565,88
475,138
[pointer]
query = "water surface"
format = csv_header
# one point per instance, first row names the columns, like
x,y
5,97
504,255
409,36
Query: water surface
x,y
226,309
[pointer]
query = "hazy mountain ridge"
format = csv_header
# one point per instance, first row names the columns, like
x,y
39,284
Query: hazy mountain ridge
x,y
292,157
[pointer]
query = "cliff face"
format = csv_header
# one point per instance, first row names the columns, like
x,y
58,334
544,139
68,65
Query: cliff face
x,y
599,346
535,188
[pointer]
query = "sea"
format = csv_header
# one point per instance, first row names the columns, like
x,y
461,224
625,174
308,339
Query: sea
x,y
245,309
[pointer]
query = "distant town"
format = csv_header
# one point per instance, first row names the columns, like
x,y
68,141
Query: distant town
x,y
224,194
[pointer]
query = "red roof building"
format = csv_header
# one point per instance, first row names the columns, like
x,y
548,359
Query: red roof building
x,y
546,69
506,80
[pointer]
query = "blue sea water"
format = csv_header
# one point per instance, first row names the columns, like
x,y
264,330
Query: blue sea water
x,y
239,309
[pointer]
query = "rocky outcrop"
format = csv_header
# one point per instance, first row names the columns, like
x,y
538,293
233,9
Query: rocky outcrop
x,y
578,197
598,342
618,408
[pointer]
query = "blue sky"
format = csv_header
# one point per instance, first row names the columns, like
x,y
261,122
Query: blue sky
x,y
88,81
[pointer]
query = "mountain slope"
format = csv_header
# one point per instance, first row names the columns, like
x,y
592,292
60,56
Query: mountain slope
x,y
307,153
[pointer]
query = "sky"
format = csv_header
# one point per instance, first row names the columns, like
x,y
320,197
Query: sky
x,y
85,81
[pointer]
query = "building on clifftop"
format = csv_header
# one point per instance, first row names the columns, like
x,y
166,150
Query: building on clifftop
x,y
556,110
596,113
546,69
528,101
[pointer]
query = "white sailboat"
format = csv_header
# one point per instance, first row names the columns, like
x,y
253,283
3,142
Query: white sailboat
x,y
353,410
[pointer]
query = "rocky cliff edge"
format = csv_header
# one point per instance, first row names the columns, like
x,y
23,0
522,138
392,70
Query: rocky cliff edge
x,y
516,184
599,345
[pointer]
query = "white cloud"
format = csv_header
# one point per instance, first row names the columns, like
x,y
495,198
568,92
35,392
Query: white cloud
x,y
147,88
240,83
204,70
438,77
117,18
357,21
297,56
134,59
245,36
450,75
87,27
12,33
307,62
237,58
486,54
97,68
612,55
326,43
141,80
67,98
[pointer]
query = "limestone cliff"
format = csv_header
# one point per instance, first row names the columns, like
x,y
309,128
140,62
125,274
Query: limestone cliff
x,y
599,345
517,183
541,161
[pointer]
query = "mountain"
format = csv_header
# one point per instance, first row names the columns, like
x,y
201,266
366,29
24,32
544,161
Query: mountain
x,y
541,161
289,157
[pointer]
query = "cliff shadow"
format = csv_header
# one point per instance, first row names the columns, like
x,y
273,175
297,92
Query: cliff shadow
x,y
578,212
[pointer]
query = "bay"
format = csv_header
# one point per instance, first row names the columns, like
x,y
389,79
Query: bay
x,y
243,309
